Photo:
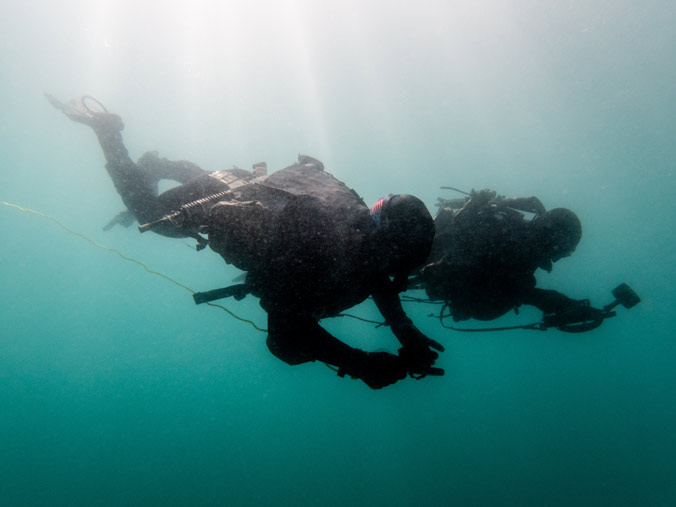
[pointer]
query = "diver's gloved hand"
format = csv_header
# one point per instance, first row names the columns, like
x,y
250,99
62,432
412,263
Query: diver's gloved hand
x,y
417,351
383,370
408,334
375,369
419,360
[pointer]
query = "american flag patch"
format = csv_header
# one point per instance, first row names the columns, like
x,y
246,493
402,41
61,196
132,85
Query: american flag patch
x,y
376,211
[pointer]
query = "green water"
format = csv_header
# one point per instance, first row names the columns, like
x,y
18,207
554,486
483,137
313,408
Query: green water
x,y
115,389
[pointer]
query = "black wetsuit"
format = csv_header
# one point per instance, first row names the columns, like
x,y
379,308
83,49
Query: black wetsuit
x,y
306,240
483,261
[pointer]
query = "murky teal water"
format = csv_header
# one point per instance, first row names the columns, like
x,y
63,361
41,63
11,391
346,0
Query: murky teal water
x,y
115,389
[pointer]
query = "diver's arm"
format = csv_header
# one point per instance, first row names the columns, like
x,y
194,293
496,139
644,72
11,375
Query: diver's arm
x,y
159,168
561,311
549,301
303,337
295,339
416,347
387,300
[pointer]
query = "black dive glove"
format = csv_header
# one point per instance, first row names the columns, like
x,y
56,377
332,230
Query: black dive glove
x,y
417,351
576,318
418,359
375,369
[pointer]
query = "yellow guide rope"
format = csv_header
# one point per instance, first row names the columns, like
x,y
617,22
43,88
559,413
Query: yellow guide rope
x,y
126,258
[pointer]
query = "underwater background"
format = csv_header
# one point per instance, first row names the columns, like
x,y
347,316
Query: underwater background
x,y
115,389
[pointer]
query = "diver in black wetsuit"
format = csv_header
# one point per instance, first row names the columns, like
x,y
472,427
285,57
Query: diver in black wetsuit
x,y
485,254
309,245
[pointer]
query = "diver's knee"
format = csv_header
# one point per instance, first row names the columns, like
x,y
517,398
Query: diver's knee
x,y
149,159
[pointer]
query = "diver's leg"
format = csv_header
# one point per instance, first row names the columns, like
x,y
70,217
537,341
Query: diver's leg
x,y
136,188
158,168
297,339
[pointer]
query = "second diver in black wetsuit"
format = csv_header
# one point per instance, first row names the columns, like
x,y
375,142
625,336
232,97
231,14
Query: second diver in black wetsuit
x,y
485,254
